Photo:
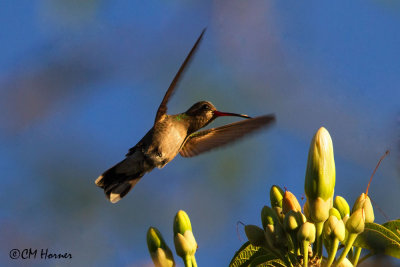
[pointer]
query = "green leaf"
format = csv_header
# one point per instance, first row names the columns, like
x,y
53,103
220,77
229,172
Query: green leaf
x,y
379,240
243,255
393,226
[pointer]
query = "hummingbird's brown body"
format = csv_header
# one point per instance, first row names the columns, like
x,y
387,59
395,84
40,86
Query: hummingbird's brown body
x,y
158,147
173,134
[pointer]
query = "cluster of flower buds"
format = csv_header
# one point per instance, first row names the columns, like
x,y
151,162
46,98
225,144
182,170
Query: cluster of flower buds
x,y
287,229
361,213
184,241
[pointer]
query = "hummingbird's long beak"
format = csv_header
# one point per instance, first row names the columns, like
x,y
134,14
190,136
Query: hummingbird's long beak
x,y
220,114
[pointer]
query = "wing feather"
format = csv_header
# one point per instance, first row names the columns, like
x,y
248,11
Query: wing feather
x,y
203,141
162,109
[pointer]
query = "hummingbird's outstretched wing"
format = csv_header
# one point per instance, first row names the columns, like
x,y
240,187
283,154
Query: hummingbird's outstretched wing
x,y
202,141
162,109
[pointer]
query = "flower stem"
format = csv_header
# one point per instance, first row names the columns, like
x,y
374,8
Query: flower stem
x,y
295,243
305,253
290,241
194,263
356,256
349,244
318,244
332,252
188,261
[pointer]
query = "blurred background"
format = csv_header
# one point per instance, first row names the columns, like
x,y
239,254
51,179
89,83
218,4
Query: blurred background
x,y
81,81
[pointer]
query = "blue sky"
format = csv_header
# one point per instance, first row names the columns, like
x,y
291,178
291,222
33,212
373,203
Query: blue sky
x,y
81,82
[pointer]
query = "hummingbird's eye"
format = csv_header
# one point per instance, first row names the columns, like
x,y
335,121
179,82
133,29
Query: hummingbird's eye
x,y
205,107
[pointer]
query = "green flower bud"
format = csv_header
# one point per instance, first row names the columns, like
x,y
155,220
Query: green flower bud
x,y
320,174
318,209
181,223
185,243
268,216
154,239
255,235
364,202
289,202
307,232
305,235
162,258
319,184
276,196
293,220
334,228
335,212
355,224
334,232
159,251
341,205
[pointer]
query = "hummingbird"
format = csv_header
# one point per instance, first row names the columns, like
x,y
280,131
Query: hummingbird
x,y
173,134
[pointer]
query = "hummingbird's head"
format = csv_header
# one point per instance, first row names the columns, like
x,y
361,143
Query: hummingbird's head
x,y
202,109
204,112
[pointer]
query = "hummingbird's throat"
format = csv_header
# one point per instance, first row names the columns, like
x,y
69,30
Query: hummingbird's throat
x,y
220,114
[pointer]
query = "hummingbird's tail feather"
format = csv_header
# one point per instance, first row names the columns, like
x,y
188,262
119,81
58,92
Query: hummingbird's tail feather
x,y
120,179
118,191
